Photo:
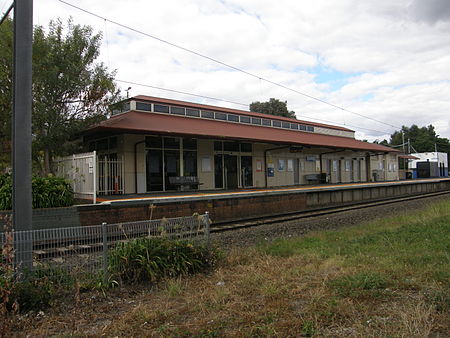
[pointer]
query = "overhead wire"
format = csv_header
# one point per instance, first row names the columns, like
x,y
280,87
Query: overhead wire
x,y
10,8
225,64
238,103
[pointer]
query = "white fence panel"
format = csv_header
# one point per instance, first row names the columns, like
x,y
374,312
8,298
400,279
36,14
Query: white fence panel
x,y
81,171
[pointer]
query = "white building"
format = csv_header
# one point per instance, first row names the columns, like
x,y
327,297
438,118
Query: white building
x,y
431,164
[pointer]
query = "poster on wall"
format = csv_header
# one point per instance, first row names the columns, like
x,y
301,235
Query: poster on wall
x,y
281,165
290,165
258,165
270,170
206,164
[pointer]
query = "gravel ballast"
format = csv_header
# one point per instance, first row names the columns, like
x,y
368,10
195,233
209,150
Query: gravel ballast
x,y
250,236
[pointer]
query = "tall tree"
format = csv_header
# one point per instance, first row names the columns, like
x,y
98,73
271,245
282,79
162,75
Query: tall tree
x,y
423,139
272,107
70,88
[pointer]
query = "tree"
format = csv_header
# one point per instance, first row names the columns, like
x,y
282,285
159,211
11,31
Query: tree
x,y
272,107
70,89
422,139
6,47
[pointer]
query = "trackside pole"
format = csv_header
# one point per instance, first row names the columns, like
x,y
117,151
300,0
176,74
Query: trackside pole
x,y
21,130
207,229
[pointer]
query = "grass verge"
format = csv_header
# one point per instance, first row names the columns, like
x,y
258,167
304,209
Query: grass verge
x,y
387,278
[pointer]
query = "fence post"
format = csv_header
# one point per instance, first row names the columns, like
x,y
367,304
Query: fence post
x,y
105,251
207,228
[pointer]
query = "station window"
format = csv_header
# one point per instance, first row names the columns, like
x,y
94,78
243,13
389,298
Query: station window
x,y
266,122
218,145
276,123
143,106
302,127
294,126
161,108
256,120
245,119
120,108
286,125
177,110
153,142
233,118
189,144
208,114
221,116
231,146
309,128
171,143
192,112
246,147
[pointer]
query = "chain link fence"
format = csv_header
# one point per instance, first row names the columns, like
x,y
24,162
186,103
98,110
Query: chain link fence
x,y
85,249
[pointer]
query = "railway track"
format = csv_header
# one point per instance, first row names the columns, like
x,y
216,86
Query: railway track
x,y
80,246
252,222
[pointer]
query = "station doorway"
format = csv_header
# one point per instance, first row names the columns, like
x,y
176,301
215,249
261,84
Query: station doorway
x,y
232,171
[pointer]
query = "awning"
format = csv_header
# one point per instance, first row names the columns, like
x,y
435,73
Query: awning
x,y
142,122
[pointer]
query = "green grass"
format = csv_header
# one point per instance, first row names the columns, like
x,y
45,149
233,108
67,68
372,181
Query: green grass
x,y
387,278
405,249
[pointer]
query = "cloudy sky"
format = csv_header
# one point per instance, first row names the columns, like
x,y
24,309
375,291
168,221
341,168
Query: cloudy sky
x,y
386,60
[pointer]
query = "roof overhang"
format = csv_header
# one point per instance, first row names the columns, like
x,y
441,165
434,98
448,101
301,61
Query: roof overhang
x,y
141,122
409,157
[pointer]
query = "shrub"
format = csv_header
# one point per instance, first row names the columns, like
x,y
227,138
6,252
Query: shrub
x,y
150,259
48,192
32,294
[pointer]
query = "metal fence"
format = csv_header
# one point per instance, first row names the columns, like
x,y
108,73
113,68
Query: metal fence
x,y
91,174
85,249
110,171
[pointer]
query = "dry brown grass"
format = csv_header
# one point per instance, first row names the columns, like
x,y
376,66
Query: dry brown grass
x,y
256,294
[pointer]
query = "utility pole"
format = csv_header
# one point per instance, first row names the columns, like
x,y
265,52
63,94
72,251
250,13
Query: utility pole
x,y
403,146
21,129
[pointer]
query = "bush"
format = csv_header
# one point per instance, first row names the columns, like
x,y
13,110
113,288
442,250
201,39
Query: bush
x,y
150,259
48,192
31,292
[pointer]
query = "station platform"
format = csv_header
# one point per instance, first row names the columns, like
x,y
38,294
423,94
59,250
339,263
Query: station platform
x,y
226,206
177,196
233,205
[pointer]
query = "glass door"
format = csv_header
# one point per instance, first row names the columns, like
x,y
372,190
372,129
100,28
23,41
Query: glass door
x,y
171,167
154,162
230,171
296,172
218,171
246,171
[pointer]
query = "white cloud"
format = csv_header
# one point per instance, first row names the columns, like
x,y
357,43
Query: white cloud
x,y
396,53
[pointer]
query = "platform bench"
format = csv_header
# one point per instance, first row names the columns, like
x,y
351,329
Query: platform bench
x,y
184,181
319,178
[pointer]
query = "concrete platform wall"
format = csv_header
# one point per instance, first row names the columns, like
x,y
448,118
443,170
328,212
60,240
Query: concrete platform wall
x,y
229,207
237,208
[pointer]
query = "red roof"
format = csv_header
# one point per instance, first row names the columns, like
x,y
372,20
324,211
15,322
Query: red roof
x,y
409,157
142,122
235,111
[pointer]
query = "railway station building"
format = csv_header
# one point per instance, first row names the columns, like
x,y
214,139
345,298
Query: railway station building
x,y
167,145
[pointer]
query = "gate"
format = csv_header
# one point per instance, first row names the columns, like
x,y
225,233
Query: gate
x,y
110,175
91,175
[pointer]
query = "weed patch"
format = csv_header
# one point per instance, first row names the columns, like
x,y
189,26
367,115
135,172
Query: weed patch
x,y
151,259
359,284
